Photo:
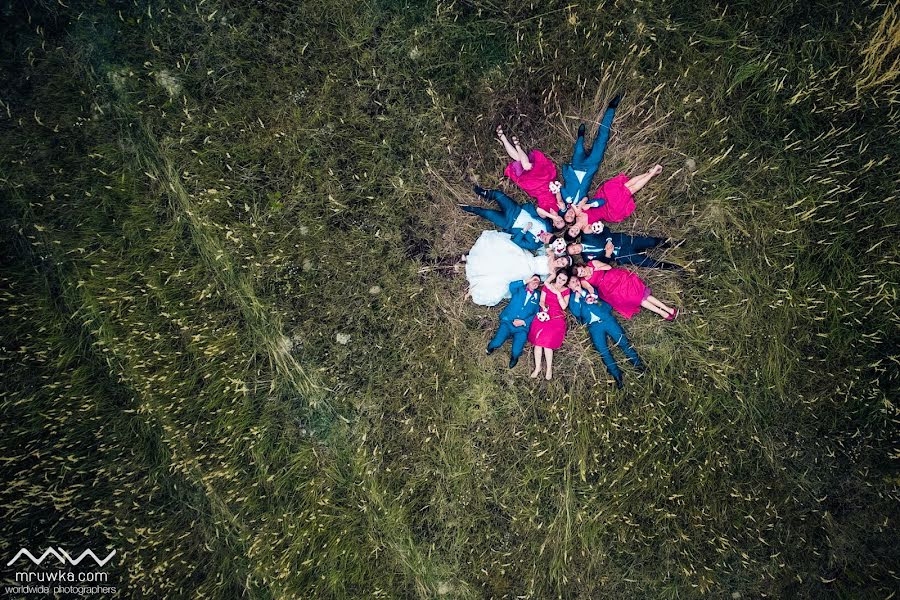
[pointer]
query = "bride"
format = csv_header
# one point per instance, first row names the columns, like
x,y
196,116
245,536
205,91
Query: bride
x,y
495,261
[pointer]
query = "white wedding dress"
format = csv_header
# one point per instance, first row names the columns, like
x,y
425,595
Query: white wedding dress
x,y
494,262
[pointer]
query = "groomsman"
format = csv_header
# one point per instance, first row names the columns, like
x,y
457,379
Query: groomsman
x,y
610,246
579,172
517,316
528,229
597,316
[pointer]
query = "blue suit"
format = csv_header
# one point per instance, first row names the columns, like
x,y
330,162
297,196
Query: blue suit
x,y
628,249
522,305
601,323
505,219
575,188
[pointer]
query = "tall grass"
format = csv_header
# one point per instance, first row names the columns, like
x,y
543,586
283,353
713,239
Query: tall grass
x,y
237,350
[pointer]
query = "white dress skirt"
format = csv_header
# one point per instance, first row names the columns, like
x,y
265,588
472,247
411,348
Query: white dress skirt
x,y
494,262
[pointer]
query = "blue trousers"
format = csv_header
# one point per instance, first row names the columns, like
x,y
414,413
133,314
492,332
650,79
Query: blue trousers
x,y
609,327
503,218
505,331
631,251
589,162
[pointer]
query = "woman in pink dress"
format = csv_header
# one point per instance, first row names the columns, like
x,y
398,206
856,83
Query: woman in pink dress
x,y
618,194
622,289
547,335
536,175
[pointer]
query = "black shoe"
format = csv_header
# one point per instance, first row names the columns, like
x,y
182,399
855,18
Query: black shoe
x,y
581,130
513,361
620,383
614,103
481,191
489,350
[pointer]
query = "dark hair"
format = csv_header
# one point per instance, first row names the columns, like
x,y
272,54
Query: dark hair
x,y
567,272
569,237
570,259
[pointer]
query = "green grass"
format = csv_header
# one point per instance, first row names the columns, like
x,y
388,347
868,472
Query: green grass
x,y
200,201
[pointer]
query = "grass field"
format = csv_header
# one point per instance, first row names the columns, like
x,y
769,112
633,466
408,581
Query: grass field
x,y
235,347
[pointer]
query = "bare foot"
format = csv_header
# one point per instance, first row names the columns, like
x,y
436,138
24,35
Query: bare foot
x,y
548,375
515,142
535,373
656,170
500,135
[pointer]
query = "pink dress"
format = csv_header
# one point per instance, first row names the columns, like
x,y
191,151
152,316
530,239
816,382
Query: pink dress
x,y
536,181
619,201
550,334
621,288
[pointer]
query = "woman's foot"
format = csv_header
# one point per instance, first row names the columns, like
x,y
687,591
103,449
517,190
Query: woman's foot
x,y
500,133
535,373
655,170
673,315
548,375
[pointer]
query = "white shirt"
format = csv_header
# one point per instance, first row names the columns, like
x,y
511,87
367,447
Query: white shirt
x,y
537,225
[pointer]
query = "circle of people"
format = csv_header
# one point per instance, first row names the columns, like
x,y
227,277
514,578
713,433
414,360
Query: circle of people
x,y
573,268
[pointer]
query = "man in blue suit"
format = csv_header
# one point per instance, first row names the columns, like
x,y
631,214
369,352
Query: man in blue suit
x,y
579,172
597,316
517,316
528,229
609,246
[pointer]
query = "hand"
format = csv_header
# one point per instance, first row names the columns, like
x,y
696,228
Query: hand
x,y
518,322
527,226
609,249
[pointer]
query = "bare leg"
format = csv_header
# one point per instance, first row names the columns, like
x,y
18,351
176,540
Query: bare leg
x,y
523,156
660,304
650,306
636,183
510,149
549,374
537,362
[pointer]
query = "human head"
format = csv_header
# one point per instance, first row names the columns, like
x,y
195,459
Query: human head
x,y
561,277
558,222
563,262
575,283
533,283
546,237
573,249
582,271
573,231
570,216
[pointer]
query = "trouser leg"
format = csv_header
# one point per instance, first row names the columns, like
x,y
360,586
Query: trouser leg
x,y
519,336
642,260
598,337
507,205
639,243
503,332
621,340
494,216
599,148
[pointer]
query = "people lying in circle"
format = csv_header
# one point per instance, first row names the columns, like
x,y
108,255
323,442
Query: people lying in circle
x,y
548,329
579,172
611,246
516,317
602,326
618,193
529,230
623,290
534,173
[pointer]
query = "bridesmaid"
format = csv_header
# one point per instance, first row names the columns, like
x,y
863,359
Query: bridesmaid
x,y
535,174
548,335
618,194
622,289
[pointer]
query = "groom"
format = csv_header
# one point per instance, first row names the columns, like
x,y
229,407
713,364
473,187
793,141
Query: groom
x,y
528,229
517,316
597,316
621,248
580,171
